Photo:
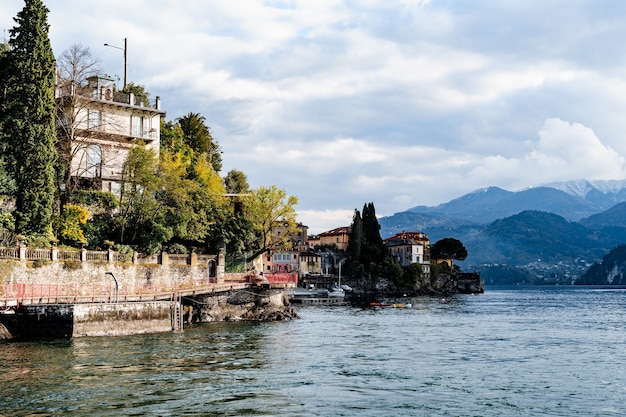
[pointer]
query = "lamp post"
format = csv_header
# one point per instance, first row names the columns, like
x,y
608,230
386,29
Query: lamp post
x,y
125,49
117,286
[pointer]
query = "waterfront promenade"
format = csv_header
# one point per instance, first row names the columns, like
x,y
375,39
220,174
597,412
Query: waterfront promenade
x,y
82,276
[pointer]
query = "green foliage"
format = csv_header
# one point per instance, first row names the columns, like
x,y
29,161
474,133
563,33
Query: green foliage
x,y
177,248
356,237
139,208
448,249
236,182
99,231
391,270
27,116
368,257
97,200
611,271
199,138
36,241
7,229
412,277
125,251
267,207
141,95
39,263
7,183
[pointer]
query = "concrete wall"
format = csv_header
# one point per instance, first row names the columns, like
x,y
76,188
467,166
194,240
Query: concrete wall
x,y
122,318
99,319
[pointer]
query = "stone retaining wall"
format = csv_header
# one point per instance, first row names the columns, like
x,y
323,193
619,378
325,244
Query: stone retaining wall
x,y
122,318
79,320
95,279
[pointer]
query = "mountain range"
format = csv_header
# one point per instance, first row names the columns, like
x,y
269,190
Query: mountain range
x,y
545,234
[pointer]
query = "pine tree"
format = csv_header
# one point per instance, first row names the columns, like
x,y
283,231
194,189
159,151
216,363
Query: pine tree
x,y
28,120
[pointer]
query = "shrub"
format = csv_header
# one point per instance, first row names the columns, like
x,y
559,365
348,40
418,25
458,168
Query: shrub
x,y
72,265
177,248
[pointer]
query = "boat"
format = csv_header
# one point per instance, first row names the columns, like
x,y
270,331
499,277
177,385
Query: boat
x,y
375,304
336,291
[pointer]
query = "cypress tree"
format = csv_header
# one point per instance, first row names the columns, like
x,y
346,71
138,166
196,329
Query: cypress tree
x,y
356,237
28,129
374,249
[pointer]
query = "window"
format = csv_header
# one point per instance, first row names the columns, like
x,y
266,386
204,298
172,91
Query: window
x,y
93,119
136,126
94,161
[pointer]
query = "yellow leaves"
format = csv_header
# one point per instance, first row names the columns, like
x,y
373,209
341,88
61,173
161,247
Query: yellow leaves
x,y
69,224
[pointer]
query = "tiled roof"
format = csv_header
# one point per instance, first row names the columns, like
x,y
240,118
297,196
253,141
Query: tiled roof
x,y
337,231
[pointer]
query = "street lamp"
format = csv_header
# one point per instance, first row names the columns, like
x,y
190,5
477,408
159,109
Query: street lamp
x,y
117,286
125,49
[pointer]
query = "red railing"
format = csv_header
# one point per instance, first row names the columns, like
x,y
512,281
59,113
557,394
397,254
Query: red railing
x,y
13,294
282,278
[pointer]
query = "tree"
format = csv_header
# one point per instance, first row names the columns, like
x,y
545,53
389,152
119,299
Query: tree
x,y
7,185
69,224
236,182
368,256
448,249
267,207
138,219
412,276
140,93
355,238
374,250
74,67
28,120
198,137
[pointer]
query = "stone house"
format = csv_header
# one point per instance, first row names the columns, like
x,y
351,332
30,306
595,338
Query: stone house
x,y
410,248
340,237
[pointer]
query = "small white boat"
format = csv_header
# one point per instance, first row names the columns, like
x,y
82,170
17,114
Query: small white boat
x,y
336,291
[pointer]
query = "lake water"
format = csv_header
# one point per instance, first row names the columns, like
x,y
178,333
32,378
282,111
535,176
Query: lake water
x,y
526,352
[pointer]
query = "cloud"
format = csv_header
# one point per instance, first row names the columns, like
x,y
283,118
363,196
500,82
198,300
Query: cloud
x,y
571,150
397,102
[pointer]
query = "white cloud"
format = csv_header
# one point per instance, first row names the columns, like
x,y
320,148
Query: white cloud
x,y
398,102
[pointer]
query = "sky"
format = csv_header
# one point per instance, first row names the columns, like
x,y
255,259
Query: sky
x,y
396,102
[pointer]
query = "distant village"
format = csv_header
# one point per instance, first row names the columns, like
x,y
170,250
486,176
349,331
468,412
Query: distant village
x,y
318,258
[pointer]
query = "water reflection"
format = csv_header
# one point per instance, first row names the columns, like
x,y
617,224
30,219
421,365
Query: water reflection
x,y
500,353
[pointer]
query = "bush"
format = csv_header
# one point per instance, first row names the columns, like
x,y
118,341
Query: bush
x,y
38,263
125,251
177,248
72,265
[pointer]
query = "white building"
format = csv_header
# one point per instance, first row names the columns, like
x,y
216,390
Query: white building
x,y
410,248
104,125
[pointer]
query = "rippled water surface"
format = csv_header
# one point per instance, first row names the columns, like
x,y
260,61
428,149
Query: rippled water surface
x,y
524,352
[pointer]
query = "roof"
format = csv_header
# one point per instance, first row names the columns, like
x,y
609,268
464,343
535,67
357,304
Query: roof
x,y
407,238
337,231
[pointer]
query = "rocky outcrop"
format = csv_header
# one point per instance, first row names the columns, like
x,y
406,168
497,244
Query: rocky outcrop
x,y
262,305
4,333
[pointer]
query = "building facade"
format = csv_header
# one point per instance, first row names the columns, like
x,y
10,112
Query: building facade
x,y
100,126
410,248
339,237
